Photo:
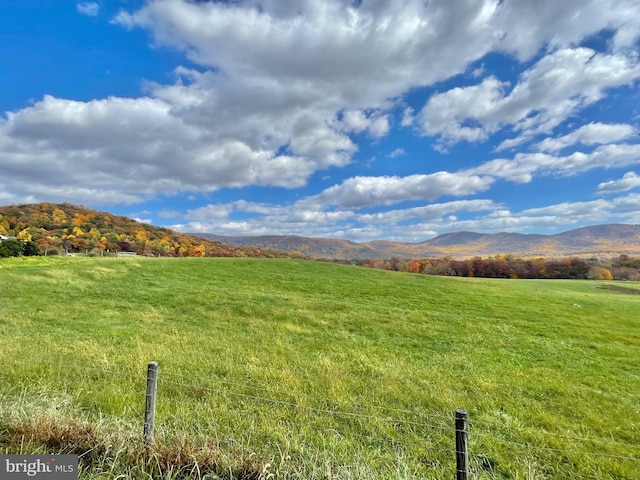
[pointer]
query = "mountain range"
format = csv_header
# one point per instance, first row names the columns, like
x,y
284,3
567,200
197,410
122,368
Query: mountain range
x,y
598,240
71,228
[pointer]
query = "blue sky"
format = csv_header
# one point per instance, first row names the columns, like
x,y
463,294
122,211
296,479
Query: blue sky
x,y
360,120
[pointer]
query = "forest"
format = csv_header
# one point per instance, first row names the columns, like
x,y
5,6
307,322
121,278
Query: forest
x,y
66,229
623,267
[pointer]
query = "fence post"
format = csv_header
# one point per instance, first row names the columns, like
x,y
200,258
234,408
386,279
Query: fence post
x,y
462,447
150,404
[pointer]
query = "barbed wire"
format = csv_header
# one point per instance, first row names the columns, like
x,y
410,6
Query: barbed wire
x,y
66,365
480,426
560,450
318,397
327,411
255,386
305,407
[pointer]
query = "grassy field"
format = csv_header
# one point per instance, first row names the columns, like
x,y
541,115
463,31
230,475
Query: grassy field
x,y
296,369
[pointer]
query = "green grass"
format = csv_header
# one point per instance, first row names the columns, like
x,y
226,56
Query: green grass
x,y
276,368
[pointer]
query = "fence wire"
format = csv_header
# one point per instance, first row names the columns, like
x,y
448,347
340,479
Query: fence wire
x,y
474,426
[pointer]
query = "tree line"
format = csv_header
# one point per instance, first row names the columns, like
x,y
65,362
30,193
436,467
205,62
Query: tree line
x,y
623,267
61,229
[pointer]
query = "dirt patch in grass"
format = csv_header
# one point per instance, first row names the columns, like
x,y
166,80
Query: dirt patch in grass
x,y
620,289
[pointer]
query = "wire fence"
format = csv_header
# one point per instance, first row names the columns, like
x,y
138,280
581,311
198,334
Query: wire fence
x,y
382,424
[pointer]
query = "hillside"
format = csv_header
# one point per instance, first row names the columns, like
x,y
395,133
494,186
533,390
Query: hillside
x,y
65,228
610,240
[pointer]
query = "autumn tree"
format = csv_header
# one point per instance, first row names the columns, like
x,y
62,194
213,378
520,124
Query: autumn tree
x,y
599,273
24,235
49,243
4,226
59,217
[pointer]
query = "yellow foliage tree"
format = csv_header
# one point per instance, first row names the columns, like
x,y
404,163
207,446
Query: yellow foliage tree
x,y
59,217
80,219
196,251
599,273
24,235
142,235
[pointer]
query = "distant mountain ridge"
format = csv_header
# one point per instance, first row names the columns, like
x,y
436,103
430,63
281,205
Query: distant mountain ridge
x,y
70,228
597,240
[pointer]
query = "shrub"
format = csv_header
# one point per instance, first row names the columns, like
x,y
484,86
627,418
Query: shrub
x,y
11,248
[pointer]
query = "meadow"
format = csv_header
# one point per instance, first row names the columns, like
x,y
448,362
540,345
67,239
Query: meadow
x,y
293,369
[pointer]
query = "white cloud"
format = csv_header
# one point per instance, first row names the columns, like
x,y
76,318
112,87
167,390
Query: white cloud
x,y
263,104
61,142
425,222
556,87
445,113
407,117
629,181
523,23
590,134
357,121
357,56
573,210
210,212
560,216
359,192
430,213
398,152
626,208
90,9
271,219
523,166
380,126
551,217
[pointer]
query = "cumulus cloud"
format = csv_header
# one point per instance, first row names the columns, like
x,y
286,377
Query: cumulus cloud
x,y
62,142
629,181
557,86
435,211
522,23
590,134
358,192
551,217
574,210
268,218
360,56
357,121
523,166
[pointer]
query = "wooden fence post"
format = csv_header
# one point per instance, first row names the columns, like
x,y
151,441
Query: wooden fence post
x,y
462,446
150,404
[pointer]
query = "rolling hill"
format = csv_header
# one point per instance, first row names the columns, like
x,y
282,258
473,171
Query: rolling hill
x,y
609,240
69,229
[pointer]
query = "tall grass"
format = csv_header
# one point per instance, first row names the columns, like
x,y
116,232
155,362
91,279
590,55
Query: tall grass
x,y
296,369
